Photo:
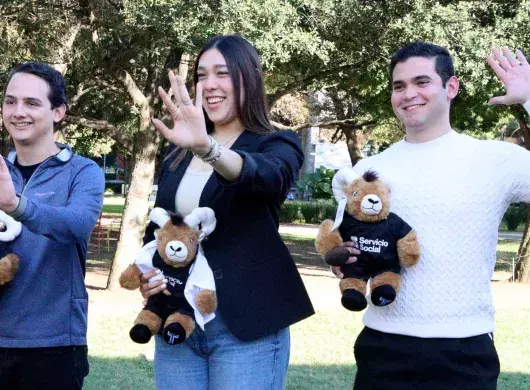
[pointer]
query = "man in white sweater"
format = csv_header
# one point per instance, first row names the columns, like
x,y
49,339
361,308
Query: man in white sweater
x,y
453,190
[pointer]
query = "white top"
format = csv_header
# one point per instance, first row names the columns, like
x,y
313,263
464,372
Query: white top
x,y
201,277
453,191
190,190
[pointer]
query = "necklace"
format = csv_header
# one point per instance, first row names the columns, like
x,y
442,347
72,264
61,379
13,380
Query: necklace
x,y
230,139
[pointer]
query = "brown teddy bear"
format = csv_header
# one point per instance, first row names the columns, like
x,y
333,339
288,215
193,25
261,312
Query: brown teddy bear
x,y
175,252
9,230
386,241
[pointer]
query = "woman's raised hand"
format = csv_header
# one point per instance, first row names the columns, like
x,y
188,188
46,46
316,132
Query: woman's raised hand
x,y
189,127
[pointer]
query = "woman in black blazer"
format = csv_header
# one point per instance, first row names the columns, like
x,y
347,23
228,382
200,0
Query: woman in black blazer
x,y
260,292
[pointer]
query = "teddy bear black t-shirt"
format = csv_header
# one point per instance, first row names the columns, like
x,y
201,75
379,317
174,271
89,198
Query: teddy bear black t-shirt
x,y
377,243
164,305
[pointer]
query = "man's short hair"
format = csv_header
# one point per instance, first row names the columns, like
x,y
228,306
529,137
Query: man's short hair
x,y
443,63
54,79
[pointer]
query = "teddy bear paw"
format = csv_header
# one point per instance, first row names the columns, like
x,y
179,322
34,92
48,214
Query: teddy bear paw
x,y
353,300
140,334
174,333
383,295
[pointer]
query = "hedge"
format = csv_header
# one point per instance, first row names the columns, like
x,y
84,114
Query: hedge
x,y
310,212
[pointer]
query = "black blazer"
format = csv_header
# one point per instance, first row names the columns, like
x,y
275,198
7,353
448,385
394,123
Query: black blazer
x,y
259,288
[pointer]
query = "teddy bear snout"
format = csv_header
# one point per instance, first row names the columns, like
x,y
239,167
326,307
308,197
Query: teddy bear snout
x,y
371,205
176,251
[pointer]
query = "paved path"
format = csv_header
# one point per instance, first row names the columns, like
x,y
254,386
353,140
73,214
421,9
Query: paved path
x,y
510,235
310,231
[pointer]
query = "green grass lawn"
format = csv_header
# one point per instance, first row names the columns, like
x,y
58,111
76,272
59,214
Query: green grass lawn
x,y
115,361
321,351
113,205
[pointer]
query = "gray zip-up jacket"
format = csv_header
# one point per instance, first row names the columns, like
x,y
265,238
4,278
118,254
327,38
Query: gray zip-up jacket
x,y
46,303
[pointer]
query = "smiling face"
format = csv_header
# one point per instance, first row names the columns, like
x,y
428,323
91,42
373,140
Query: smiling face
x,y
219,97
419,98
27,112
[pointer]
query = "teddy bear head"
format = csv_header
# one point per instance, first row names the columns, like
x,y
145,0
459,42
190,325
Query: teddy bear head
x,y
367,197
177,242
178,238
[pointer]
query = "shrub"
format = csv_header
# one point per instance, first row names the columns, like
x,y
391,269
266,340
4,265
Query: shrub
x,y
289,212
514,216
328,209
317,185
310,211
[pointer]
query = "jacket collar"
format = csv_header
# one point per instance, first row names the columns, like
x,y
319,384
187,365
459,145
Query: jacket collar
x,y
63,156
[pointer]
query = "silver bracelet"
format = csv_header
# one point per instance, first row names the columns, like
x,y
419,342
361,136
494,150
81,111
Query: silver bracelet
x,y
209,150
211,155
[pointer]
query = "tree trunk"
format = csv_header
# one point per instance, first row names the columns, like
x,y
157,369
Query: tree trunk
x,y
522,268
128,168
136,205
309,160
184,66
354,140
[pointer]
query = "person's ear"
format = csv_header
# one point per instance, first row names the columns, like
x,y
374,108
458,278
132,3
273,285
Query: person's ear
x,y
452,85
59,113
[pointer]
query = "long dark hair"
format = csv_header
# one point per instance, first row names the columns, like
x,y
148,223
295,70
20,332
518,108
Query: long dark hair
x,y
244,65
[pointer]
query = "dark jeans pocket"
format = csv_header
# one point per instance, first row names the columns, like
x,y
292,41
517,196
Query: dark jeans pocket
x,y
81,365
481,361
359,346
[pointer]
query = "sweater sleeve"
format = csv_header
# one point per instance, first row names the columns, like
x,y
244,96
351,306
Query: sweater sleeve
x,y
73,221
271,171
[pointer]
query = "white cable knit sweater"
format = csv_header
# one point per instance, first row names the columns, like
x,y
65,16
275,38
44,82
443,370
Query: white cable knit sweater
x,y
453,191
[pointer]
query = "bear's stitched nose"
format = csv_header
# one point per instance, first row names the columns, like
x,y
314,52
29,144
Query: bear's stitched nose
x,y
175,250
373,201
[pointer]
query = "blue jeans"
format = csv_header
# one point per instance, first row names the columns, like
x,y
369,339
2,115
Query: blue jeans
x,y
214,359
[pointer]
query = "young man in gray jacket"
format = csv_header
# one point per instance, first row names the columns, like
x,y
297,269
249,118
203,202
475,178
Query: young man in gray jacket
x,y
57,196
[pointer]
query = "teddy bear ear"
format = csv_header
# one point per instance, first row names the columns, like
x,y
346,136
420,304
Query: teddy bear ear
x,y
159,216
203,217
343,178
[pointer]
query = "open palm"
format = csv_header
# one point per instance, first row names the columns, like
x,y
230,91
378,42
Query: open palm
x,y
515,75
189,127
7,189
